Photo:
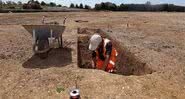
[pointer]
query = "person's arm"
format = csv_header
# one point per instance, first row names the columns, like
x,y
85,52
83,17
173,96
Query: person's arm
x,y
108,54
106,62
93,61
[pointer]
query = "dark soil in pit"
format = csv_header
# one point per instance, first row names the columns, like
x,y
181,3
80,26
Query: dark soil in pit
x,y
84,55
126,63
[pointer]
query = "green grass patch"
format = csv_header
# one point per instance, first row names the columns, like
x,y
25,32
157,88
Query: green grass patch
x,y
59,89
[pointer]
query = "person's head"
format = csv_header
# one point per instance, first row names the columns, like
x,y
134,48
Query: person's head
x,y
95,42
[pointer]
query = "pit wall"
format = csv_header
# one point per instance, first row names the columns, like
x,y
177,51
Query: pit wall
x,y
127,63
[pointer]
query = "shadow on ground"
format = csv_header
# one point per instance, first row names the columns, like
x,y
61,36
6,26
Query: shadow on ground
x,y
56,58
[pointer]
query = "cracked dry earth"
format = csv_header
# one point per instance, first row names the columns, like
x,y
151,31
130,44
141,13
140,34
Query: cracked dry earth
x,y
155,39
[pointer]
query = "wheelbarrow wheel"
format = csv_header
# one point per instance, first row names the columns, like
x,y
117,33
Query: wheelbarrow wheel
x,y
60,42
43,49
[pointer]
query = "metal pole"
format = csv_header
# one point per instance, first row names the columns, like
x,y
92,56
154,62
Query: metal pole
x,y
34,36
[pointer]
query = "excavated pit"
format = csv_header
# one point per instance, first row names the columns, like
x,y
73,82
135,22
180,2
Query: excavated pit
x,y
127,63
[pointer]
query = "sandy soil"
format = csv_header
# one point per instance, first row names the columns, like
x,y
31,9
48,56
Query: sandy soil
x,y
156,39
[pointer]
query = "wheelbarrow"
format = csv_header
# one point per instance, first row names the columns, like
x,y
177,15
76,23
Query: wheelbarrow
x,y
45,38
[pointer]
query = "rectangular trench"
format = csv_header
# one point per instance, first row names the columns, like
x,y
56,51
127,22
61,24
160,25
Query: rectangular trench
x,y
127,63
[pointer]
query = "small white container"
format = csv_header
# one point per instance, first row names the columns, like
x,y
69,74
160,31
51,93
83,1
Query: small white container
x,y
75,94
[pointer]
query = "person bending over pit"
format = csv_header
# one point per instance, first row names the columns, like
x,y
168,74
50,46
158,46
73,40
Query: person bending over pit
x,y
103,53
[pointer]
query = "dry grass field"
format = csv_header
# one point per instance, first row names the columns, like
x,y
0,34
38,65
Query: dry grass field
x,y
154,39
